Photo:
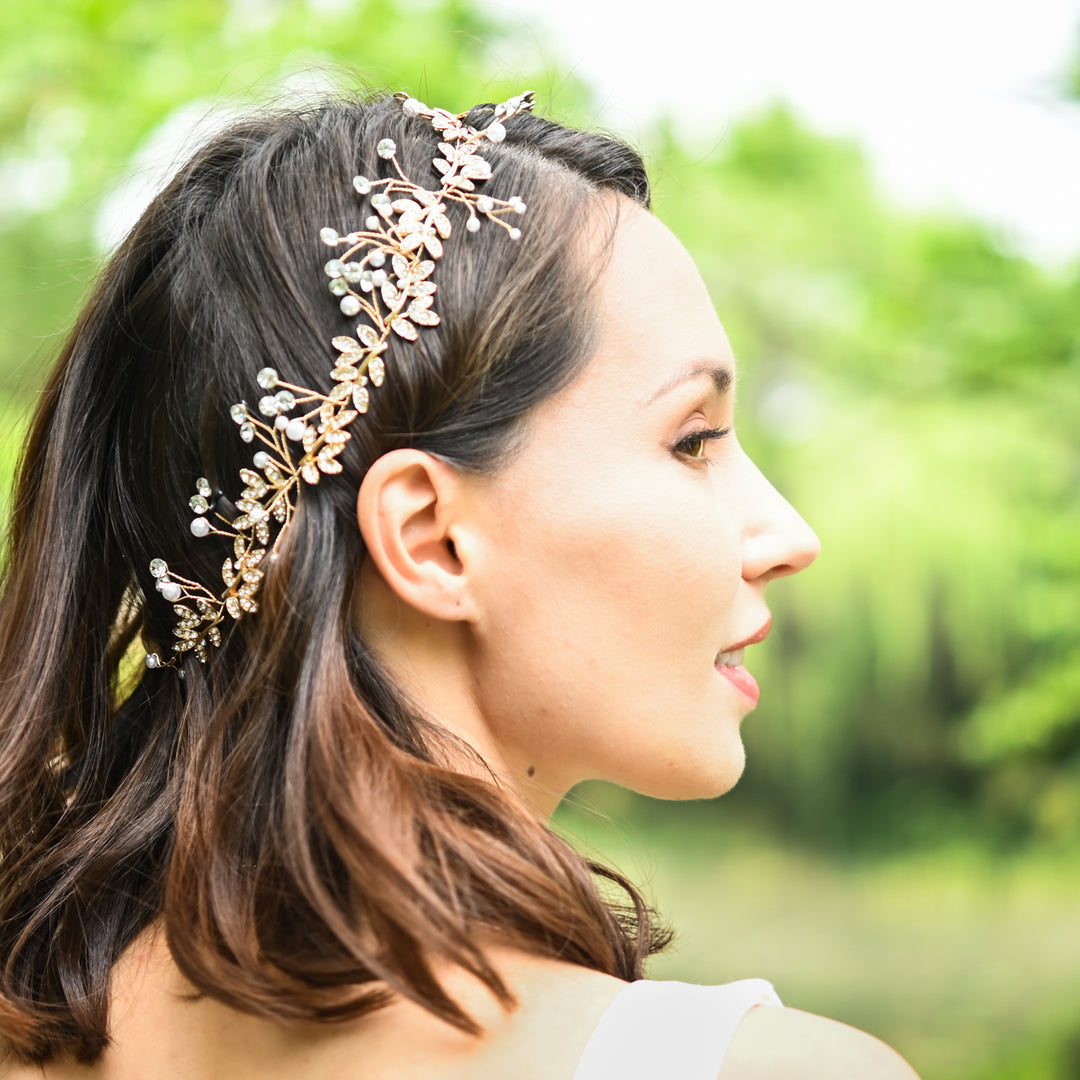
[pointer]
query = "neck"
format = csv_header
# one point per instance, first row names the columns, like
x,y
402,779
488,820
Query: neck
x,y
428,660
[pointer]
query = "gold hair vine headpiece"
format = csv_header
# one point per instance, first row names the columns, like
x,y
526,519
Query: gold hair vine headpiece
x,y
407,229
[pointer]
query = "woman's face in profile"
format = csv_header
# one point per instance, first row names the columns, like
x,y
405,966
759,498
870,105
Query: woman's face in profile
x,y
631,539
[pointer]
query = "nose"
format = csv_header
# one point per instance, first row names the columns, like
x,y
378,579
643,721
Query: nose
x,y
776,540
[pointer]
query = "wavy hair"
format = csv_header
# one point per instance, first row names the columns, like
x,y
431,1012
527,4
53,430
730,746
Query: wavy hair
x,y
295,824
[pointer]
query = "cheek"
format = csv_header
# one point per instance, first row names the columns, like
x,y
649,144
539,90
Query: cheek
x,y
607,605
623,556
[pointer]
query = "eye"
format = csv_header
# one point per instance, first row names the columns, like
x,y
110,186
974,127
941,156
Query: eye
x,y
693,445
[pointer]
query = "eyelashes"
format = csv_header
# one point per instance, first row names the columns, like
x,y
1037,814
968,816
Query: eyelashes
x,y
693,445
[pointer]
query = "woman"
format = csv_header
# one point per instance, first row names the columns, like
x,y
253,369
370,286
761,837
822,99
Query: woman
x,y
485,532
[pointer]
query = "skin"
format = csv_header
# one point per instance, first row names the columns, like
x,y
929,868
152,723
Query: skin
x,y
563,618
564,615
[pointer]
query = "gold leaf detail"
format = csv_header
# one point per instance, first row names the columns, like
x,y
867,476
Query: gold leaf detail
x,y
423,316
343,419
346,345
475,167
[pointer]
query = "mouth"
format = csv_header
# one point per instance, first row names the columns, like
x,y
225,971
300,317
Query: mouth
x,y
730,664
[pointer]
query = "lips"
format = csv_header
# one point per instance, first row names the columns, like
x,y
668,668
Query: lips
x,y
730,664
753,639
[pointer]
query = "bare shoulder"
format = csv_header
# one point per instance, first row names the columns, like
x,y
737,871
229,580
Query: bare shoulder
x,y
788,1044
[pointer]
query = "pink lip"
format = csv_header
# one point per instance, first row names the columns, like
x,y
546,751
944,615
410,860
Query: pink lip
x,y
739,677
753,639
742,680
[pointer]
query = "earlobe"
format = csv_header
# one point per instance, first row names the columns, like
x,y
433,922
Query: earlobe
x,y
406,512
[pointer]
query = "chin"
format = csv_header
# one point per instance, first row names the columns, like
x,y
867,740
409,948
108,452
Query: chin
x,y
698,776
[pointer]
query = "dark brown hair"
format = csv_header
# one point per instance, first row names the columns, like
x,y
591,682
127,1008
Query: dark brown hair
x,y
296,825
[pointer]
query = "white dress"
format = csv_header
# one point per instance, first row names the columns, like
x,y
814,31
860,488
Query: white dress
x,y
669,1030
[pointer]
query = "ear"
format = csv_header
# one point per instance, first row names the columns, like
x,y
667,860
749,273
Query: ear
x,y
406,512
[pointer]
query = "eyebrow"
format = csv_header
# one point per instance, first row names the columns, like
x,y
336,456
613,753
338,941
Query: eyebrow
x,y
721,376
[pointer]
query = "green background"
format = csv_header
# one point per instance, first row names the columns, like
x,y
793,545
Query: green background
x,y
902,852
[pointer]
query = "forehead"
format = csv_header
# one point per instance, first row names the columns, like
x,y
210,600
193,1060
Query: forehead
x,y
655,319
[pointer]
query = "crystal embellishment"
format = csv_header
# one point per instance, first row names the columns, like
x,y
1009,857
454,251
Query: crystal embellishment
x,y
170,590
381,274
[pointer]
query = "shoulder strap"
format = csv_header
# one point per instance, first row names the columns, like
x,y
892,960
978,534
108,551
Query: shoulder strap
x,y
669,1030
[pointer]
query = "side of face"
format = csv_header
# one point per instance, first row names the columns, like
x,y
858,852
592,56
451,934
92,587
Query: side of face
x,y
624,548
